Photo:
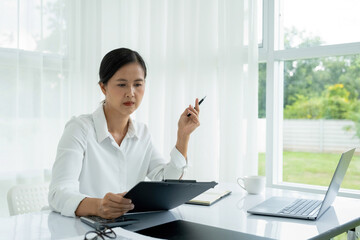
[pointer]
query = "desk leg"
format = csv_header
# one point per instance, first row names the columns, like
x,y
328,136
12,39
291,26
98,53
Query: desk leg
x,y
353,234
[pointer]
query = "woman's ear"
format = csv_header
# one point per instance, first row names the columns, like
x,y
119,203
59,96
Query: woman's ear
x,y
103,88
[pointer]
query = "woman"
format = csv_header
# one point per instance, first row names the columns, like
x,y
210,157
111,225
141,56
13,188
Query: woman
x,y
105,153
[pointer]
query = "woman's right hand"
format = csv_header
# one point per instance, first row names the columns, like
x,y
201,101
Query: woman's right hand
x,y
114,205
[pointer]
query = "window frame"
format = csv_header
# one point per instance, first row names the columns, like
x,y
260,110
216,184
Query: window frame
x,y
274,58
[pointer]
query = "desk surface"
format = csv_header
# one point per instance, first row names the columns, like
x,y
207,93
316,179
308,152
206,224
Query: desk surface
x,y
229,213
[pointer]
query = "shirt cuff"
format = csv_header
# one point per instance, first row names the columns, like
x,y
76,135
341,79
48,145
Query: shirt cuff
x,y
178,159
72,204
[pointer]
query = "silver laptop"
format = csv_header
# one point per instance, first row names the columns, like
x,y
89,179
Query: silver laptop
x,y
306,208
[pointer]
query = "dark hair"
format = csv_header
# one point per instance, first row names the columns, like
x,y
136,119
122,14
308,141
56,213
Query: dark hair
x,y
116,59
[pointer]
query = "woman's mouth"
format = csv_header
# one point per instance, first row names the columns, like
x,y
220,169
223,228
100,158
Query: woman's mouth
x,y
128,103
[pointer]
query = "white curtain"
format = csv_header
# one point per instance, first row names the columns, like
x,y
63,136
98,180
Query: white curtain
x,y
193,49
50,53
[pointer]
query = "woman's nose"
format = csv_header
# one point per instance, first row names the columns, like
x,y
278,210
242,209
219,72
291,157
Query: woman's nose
x,y
130,92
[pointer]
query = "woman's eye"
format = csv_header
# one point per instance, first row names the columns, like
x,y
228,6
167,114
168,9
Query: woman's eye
x,y
121,85
138,85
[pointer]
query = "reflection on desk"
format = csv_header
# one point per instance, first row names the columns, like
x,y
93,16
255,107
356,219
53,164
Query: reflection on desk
x,y
147,220
41,225
229,213
325,226
73,228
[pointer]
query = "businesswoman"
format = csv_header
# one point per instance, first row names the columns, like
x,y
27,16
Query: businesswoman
x,y
103,154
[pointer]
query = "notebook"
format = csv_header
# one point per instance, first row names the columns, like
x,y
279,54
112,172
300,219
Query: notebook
x,y
306,208
209,197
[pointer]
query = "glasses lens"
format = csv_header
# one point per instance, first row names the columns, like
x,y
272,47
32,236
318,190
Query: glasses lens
x,y
108,232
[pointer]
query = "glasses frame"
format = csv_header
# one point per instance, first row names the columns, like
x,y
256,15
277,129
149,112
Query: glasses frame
x,y
105,232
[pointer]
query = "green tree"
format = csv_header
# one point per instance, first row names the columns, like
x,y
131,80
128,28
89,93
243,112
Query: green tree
x,y
262,91
336,104
307,82
333,103
304,108
299,77
351,76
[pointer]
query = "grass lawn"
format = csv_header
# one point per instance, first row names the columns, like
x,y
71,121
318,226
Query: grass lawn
x,y
315,168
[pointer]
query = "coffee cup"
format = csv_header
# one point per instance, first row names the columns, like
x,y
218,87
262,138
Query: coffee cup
x,y
252,184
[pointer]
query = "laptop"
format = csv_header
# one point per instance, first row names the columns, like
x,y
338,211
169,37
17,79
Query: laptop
x,y
306,208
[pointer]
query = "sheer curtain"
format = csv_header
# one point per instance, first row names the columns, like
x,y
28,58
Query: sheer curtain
x,y
196,49
50,51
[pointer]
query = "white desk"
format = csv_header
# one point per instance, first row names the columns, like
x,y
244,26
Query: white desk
x,y
229,213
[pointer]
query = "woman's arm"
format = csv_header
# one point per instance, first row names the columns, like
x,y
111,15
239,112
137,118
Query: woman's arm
x,y
186,126
158,168
88,206
64,195
110,207
182,144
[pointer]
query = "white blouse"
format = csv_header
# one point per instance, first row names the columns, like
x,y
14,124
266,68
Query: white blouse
x,y
89,162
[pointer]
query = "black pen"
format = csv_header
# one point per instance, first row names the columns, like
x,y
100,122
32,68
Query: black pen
x,y
199,104
179,181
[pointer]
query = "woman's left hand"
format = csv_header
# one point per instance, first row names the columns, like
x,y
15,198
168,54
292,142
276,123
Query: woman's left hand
x,y
187,125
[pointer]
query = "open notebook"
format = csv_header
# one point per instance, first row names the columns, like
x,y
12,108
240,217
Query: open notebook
x,y
209,197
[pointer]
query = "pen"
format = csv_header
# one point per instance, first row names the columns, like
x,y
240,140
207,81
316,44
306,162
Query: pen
x,y
199,104
179,181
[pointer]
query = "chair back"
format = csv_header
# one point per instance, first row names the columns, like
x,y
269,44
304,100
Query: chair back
x,y
27,198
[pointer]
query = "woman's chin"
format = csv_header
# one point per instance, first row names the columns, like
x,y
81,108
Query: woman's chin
x,y
128,111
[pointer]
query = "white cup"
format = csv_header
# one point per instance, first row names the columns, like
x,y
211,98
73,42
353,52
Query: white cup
x,y
252,184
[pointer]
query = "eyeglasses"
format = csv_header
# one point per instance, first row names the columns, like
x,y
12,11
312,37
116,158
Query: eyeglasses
x,y
100,234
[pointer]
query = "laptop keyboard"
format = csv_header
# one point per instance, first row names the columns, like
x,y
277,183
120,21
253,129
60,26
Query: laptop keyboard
x,y
302,207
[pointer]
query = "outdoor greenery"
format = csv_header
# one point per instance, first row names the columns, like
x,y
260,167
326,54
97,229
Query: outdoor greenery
x,y
317,170
321,88
262,91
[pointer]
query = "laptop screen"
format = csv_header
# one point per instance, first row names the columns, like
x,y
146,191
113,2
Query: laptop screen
x,y
336,180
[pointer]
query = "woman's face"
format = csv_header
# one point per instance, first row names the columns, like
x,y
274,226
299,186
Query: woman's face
x,y
125,89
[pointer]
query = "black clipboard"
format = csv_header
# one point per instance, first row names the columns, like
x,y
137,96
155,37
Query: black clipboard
x,y
165,195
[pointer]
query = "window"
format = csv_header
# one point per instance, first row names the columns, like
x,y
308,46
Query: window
x,y
34,79
260,22
325,22
321,104
35,25
262,91
312,92
262,118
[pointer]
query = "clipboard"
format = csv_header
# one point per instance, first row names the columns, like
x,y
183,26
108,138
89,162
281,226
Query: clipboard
x,y
165,195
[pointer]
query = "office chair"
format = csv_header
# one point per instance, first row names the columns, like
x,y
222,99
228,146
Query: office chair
x,y
27,198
